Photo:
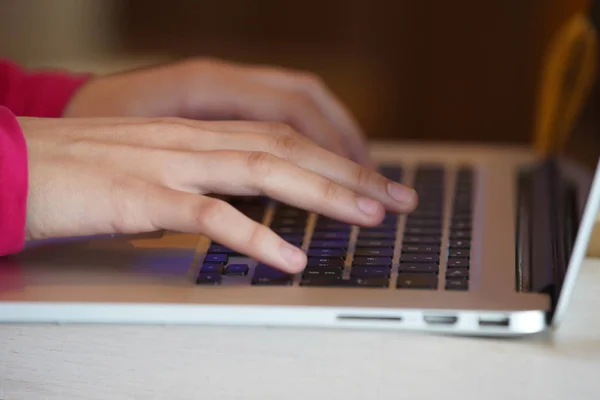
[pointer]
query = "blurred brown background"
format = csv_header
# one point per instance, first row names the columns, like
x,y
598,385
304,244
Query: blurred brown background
x,y
414,69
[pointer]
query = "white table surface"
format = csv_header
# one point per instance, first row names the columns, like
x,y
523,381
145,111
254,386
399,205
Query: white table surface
x,y
156,362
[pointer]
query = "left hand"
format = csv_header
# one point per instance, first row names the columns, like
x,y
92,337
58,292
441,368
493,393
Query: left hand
x,y
208,89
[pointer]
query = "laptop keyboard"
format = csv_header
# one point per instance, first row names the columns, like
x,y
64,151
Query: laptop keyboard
x,y
401,253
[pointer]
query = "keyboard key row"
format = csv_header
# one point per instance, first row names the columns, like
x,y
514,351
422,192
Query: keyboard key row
x,y
459,245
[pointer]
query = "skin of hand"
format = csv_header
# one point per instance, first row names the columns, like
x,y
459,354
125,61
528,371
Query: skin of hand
x,y
134,175
209,89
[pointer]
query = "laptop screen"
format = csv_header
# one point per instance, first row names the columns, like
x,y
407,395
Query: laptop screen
x,y
583,145
581,154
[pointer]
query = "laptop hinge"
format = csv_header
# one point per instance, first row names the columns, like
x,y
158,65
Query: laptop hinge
x,y
548,204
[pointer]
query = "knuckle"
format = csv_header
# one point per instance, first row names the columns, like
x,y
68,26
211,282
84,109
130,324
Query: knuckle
x,y
329,190
286,146
363,177
209,213
261,162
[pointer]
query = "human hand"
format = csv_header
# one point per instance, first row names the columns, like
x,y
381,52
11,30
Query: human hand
x,y
135,175
208,89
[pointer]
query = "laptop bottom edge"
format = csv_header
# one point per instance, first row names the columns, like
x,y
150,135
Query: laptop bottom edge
x,y
455,322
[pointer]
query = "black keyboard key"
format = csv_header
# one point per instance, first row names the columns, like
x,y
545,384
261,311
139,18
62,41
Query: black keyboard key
x,y
459,253
422,240
220,249
423,223
329,244
462,216
272,281
358,282
255,217
378,252
290,212
266,275
327,253
457,273
436,215
292,237
391,172
374,243
422,231
429,190
418,268
388,225
455,262
366,235
417,281
390,231
377,261
419,258
457,284
461,207
288,223
344,235
389,217
288,230
382,272
460,244
460,235
317,262
216,258
462,219
265,270
332,226
461,225
245,201
416,248
236,269
333,273
430,168
208,279
462,204
209,268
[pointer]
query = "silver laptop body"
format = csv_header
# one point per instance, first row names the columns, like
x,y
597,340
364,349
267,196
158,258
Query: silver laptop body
x,y
152,279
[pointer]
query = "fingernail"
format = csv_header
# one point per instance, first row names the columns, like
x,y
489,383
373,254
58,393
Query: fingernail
x,y
293,256
368,206
401,193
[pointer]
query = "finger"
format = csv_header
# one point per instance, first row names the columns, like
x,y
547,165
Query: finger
x,y
330,105
261,173
181,167
256,101
233,172
303,114
219,221
305,154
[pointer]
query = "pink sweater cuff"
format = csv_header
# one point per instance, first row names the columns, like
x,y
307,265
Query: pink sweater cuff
x,y
43,94
13,183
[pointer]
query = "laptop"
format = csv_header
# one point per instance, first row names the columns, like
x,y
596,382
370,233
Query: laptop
x,y
493,249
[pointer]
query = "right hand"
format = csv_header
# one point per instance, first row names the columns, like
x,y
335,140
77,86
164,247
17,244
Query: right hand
x,y
110,175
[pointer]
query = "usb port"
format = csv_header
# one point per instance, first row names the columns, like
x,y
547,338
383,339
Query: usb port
x,y
440,319
497,321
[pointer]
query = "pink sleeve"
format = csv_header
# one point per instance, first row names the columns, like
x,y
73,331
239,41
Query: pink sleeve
x,y
13,183
36,93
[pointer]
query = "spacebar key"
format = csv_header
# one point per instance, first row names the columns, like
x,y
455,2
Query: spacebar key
x,y
352,282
